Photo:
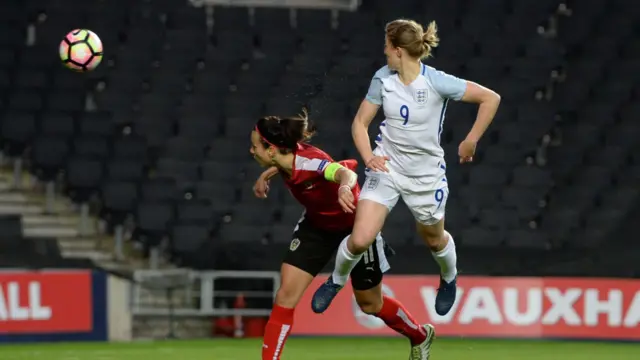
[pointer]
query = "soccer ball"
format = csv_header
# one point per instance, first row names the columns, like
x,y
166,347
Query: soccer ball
x,y
81,50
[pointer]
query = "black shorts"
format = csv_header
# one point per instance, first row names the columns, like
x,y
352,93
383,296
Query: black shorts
x,y
312,248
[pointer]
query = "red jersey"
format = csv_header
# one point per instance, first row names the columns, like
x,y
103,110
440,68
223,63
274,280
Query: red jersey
x,y
318,195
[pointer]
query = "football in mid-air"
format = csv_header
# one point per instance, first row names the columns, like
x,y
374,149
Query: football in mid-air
x,y
81,50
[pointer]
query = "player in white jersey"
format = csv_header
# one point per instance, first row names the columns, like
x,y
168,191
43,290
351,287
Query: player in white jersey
x,y
408,161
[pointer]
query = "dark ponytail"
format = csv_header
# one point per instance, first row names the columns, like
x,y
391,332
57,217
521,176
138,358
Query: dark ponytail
x,y
286,133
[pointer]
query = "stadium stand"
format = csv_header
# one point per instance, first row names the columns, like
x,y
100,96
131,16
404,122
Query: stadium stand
x,y
19,251
158,134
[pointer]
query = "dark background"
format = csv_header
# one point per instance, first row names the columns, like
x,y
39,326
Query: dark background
x,y
157,137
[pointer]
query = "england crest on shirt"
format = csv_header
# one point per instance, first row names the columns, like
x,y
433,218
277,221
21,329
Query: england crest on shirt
x,y
420,96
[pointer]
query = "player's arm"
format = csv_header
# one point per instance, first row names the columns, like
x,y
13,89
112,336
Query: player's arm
x,y
360,129
366,112
488,101
451,87
261,187
269,173
339,174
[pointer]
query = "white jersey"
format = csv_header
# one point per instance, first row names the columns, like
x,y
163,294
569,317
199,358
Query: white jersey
x,y
414,115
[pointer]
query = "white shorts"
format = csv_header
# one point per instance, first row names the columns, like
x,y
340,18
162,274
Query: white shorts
x,y
426,197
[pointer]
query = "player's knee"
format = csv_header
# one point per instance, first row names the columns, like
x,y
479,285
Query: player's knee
x,y
358,244
434,239
435,243
287,297
369,301
370,306
358,247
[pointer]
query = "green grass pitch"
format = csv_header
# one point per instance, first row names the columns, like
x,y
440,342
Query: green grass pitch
x,y
324,349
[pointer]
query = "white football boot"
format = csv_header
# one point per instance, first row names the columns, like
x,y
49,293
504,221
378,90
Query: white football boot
x,y
422,351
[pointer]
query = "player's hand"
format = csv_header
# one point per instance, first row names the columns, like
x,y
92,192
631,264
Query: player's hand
x,y
467,150
261,188
378,163
346,199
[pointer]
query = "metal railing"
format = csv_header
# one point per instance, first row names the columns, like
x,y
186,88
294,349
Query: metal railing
x,y
194,293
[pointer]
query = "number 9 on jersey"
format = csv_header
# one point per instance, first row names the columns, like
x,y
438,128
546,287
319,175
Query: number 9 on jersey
x,y
404,113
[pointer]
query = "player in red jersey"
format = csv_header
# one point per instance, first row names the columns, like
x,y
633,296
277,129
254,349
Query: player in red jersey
x,y
328,191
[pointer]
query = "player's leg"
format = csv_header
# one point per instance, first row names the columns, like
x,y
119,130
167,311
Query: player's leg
x,y
294,282
443,250
366,280
398,318
306,256
427,202
370,217
377,198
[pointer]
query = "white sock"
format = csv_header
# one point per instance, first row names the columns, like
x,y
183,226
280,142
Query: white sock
x,y
447,260
345,262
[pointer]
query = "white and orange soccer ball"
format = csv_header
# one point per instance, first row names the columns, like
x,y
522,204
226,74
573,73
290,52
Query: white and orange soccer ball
x,y
81,50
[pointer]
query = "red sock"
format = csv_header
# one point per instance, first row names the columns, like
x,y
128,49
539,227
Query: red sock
x,y
399,319
276,332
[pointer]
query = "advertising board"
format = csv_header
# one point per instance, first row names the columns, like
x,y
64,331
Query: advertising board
x,y
504,307
53,305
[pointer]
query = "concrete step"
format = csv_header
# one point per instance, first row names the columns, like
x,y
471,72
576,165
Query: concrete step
x,y
5,185
94,255
61,204
77,244
49,220
51,231
12,196
116,266
9,208
121,267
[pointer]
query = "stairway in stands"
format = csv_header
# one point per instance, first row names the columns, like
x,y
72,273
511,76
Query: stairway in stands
x,y
62,222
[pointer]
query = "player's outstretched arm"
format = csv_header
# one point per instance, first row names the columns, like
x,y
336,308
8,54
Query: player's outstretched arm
x,y
269,173
261,187
489,101
451,87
